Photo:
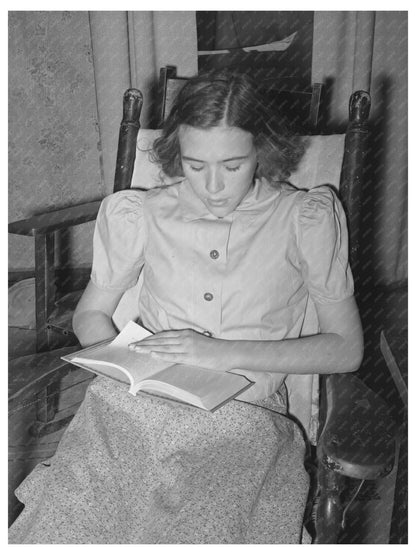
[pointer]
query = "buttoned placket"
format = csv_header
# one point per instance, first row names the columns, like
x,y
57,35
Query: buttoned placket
x,y
212,237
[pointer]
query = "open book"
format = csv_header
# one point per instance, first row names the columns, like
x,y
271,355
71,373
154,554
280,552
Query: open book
x,y
196,386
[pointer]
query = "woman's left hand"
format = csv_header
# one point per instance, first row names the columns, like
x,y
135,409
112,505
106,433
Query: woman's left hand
x,y
187,347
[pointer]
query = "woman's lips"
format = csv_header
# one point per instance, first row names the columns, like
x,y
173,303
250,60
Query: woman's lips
x,y
217,202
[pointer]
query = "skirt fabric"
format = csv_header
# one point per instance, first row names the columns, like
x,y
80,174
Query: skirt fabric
x,y
144,470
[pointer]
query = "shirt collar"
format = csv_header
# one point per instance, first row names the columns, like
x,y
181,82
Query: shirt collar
x,y
192,207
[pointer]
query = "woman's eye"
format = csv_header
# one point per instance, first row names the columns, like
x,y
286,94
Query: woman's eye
x,y
196,168
232,168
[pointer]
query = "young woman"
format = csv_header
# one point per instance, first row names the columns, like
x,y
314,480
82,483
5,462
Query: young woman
x,y
232,259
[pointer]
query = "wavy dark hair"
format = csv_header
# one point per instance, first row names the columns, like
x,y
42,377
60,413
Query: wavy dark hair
x,y
225,97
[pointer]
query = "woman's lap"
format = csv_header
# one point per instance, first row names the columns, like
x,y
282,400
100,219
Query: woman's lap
x,y
146,470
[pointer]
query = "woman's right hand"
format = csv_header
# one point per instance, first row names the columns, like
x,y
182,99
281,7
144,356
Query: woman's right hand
x,y
189,347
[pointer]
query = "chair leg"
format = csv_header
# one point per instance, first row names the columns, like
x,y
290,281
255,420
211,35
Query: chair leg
x,y
329,510
47,402
46,408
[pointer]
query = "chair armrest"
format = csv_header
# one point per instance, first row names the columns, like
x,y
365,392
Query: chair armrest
x,y
358,437
57,219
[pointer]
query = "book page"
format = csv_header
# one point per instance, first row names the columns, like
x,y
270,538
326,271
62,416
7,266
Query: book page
x,y
115,360
130,333
195,385
137,366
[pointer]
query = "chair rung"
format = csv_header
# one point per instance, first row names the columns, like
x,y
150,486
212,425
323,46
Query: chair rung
x,y
41,429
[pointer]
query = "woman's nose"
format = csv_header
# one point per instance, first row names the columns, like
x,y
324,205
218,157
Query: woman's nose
x,y
214,183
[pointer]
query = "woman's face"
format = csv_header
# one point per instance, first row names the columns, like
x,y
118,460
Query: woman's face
x,y
219,164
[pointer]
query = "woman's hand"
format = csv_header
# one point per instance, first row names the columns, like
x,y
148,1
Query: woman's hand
x,y
188,347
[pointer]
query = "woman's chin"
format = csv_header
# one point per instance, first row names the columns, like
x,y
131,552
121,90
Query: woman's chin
x,y
219,209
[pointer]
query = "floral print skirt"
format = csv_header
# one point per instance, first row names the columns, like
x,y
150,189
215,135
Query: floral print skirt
x,y
145,470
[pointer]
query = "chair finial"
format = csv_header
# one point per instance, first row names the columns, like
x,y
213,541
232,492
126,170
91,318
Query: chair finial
x,y
360,104
132,106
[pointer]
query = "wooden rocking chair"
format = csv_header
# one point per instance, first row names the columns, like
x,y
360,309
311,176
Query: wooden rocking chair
x,y
356,432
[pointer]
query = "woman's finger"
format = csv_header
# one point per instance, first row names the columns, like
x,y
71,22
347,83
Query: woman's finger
x,y
165,347
156,341
161,336
171,357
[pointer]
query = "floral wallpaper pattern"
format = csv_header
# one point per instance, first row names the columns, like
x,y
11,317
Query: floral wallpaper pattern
x,y
54,142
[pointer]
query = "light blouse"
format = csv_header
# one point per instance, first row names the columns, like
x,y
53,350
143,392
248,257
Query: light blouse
x,y
254,274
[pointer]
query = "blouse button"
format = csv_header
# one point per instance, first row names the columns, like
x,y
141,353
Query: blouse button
x,y
214,254
207,333
208,296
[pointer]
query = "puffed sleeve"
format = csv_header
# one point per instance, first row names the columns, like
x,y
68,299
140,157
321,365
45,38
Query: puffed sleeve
x,y
119,239
323,246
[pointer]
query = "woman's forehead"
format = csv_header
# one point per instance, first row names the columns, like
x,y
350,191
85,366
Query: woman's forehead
x,y
221,141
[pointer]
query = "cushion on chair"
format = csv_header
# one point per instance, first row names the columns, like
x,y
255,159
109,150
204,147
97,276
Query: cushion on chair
x,y
320,165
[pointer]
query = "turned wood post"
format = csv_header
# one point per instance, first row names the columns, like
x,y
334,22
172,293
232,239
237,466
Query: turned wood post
x,y
129,128
353,168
